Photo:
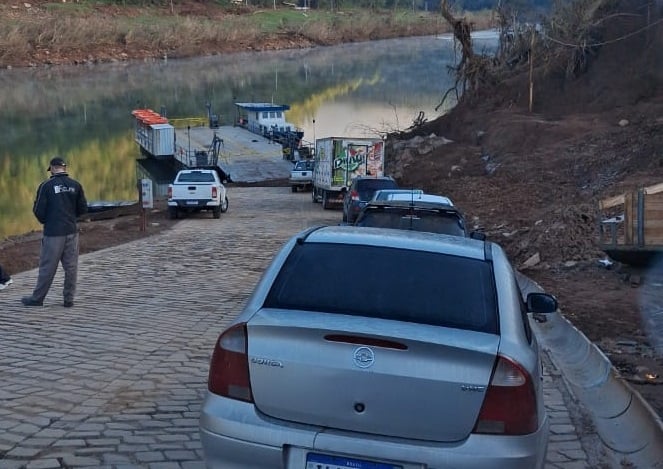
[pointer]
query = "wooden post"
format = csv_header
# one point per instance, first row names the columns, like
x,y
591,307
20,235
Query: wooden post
x,y
531,72
629,220
641,218
143,216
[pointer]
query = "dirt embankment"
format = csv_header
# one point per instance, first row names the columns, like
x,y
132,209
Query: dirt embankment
x,y
532,180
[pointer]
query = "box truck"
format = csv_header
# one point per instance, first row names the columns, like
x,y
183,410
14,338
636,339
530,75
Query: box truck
x,y
338,160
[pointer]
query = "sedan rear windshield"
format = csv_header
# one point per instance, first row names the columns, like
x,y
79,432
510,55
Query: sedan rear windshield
x,y
403,219
387,283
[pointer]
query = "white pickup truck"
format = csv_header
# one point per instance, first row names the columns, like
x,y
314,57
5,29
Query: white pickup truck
x,y
194,190
301,175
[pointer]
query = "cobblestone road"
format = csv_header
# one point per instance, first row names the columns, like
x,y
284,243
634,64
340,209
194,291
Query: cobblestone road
x,y
118,380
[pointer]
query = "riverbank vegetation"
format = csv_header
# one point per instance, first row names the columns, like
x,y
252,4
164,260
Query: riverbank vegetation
x,y
77,32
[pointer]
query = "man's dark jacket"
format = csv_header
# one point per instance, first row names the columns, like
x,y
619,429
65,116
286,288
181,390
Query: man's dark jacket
x,y
60,201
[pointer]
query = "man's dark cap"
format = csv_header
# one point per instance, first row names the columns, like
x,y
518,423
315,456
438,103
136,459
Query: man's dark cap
x,y
57,161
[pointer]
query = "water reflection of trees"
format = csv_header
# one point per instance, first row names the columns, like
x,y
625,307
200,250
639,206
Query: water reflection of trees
x,y
103,166
60,107
60,89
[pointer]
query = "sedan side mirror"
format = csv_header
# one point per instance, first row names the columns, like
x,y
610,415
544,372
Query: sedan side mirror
x,y
478,235
541,303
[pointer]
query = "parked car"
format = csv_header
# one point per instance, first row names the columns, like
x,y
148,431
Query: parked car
x,y
416,353
361,190
384,194
301,175
414,215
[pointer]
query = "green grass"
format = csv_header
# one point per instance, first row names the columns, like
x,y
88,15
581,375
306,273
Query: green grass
x,y
270,21
77,31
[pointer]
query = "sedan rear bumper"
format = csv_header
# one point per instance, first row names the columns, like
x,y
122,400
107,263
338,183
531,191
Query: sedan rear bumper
x,y
230,453
235,435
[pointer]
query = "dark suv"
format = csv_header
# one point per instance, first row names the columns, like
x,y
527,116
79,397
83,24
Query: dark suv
x,y
361,190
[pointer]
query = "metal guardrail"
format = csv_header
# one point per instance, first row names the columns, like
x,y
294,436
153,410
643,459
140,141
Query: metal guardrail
x,y
183,122
196,158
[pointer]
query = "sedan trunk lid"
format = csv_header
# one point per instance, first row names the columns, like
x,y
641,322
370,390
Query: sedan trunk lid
x,y
398,379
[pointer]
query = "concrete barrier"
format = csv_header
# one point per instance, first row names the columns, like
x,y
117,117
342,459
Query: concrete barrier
x,y
630,430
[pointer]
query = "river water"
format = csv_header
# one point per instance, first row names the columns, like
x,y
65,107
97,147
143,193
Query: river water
x,y
83,113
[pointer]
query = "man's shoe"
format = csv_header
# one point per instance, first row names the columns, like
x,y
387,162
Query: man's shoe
x,y
29,301
68,304
5,284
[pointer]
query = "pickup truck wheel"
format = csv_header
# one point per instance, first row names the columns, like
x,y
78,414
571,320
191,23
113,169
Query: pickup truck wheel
x,y
172,213
216,213
313,197
224,206
293,188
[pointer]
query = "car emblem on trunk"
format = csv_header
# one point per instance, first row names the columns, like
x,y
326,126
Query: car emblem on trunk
x,y
266,362
363,357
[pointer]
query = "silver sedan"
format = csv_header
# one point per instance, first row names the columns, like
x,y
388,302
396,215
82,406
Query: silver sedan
x,y
368,348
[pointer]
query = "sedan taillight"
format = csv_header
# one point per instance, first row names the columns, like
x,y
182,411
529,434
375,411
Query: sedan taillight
x,y
509,407
229,368
354,195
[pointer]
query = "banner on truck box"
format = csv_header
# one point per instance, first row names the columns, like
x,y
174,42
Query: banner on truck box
x,y
356,158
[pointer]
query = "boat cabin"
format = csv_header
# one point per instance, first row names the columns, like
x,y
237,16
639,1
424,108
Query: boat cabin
x,y
264,118
268,120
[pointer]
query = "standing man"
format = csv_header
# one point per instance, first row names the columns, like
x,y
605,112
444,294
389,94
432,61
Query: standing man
x,y
59,202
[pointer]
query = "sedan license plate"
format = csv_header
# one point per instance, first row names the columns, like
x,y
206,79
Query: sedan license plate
x,y
324,461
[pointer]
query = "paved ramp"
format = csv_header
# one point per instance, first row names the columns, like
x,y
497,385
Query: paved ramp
x,y
117,381
247,157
